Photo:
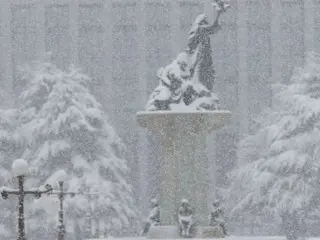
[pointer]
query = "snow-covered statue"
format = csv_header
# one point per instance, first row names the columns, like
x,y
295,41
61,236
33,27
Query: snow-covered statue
x,y
153,218
217,216
186,219
187,82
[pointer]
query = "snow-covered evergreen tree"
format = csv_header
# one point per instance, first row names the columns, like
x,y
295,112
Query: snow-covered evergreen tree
x,y
66,128
279,169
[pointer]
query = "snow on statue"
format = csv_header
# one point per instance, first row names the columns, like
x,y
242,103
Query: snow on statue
x,y
279,172
186,219
187,82
217,216
66,128
153,218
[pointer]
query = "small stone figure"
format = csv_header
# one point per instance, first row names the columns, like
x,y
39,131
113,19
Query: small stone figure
x,y
153,218
186,219
217,216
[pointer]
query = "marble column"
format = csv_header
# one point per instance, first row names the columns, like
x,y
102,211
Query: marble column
x,y
107,91
7,93
309,35
142,136
242,67
275,41
40,28
175,13
74,31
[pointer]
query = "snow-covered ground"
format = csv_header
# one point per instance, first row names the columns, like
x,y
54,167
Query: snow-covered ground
x,y
227,238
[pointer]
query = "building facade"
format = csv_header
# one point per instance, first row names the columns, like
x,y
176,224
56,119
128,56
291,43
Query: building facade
x,y
122,43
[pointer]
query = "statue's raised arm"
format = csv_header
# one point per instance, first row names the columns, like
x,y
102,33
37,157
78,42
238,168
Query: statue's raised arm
x,y
201,24
199,46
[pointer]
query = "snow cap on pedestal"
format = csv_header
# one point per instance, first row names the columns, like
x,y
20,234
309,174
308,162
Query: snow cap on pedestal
x,y
20,167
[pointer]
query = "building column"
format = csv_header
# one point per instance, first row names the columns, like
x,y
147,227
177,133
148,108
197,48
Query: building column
x,y
141,134
243,111
309,26
175,13
6,54
74,31
276,51
40,28
275,41
108,46
315,24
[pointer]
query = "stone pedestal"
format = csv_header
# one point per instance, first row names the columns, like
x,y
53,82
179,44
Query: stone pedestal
x,y
184,172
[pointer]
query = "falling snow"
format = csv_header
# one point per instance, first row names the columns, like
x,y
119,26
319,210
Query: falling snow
x,y
74,75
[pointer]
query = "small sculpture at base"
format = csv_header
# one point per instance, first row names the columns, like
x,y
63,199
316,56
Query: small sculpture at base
x,y
153,218
187,224
187,82
217,217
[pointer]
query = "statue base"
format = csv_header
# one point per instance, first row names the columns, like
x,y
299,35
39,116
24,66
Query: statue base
x,y
171,232
210,232
163,232
184,167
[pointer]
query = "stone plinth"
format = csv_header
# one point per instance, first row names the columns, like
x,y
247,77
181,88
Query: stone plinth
x,y
183,137
172,232
164,232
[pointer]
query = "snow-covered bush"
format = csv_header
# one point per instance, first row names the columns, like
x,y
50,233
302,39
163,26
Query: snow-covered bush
x,y
279,164
66,128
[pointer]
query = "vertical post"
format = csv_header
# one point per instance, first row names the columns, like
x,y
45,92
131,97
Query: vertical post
x,y
142,71
309,26
276,40
7,93
40,23
61,220
21,209
108,87
175,13
242,67
88,224
74,31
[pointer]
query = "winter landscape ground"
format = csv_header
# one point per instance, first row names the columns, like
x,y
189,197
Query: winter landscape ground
x,y
227,238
